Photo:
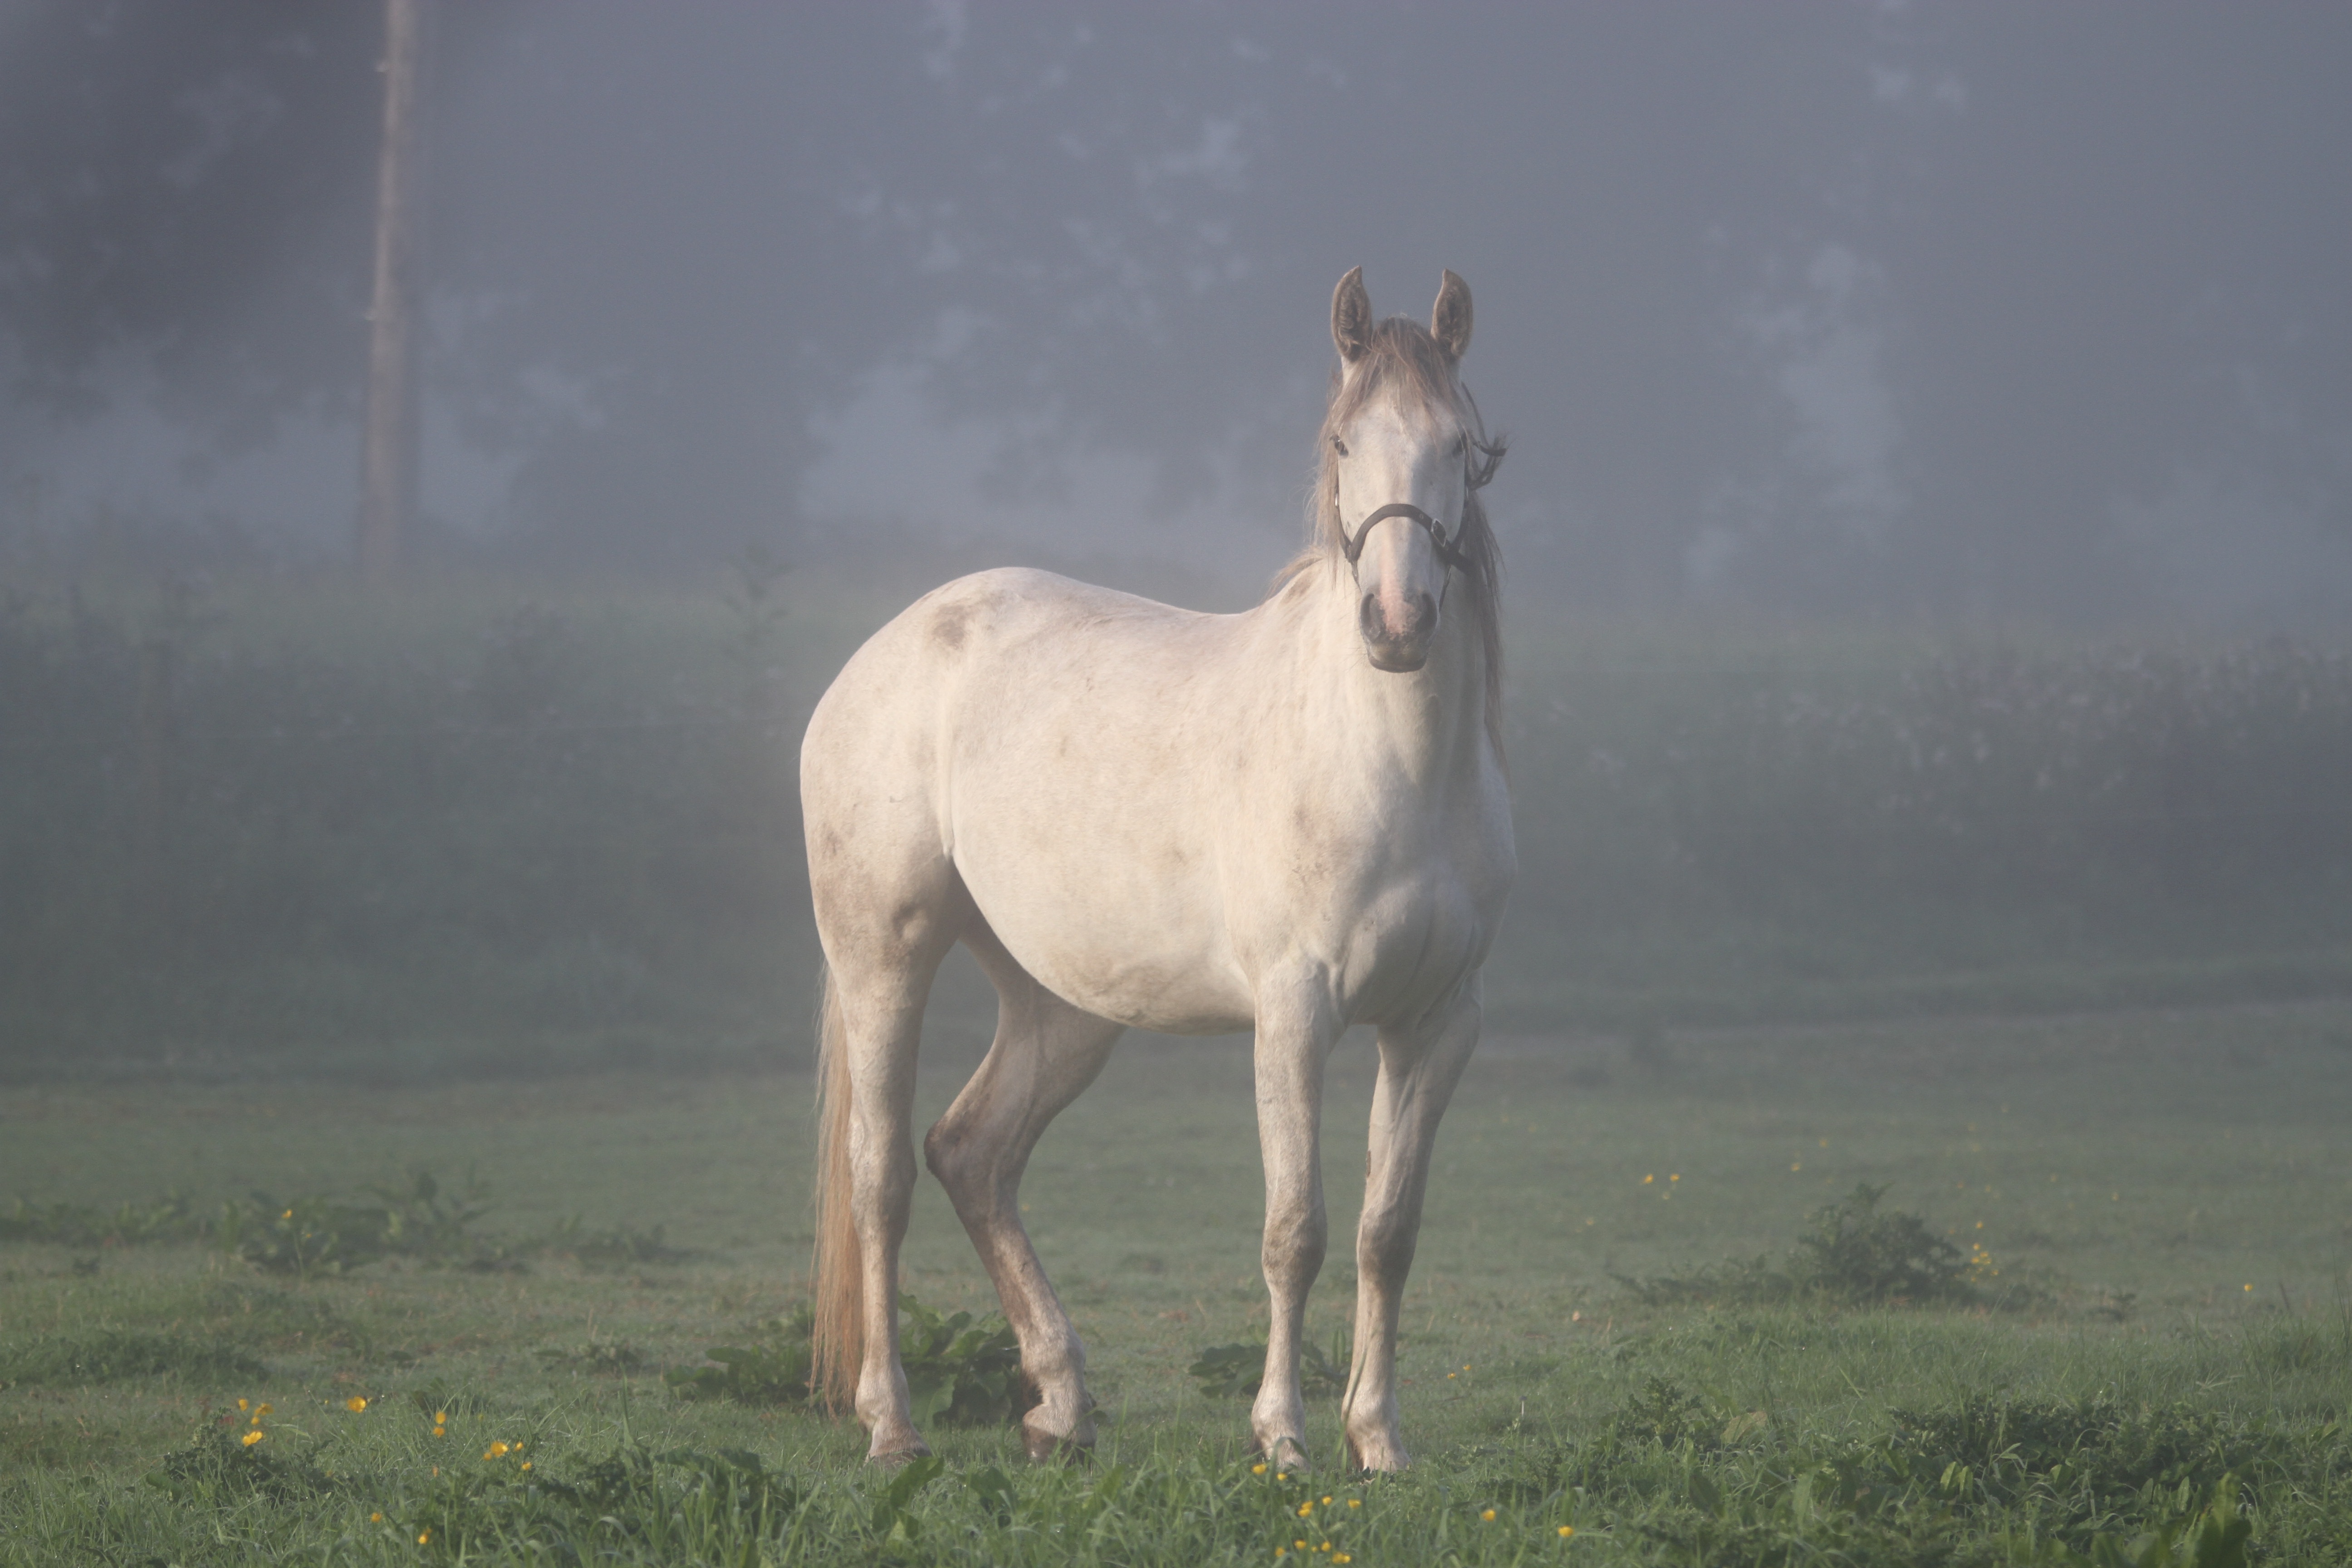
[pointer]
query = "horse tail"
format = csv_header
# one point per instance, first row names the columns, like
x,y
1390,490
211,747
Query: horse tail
x,y
837,1334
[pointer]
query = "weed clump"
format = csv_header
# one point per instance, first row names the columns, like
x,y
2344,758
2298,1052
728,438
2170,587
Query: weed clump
x,y
1852,1254
1236,1370
961,1371
773,1369
228,1464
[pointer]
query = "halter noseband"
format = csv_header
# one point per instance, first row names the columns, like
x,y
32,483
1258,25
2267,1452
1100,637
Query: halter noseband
x,y
1450,553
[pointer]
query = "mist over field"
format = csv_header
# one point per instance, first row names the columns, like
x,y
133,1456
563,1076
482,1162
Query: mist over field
x,y
1927,525
441,471
1987,315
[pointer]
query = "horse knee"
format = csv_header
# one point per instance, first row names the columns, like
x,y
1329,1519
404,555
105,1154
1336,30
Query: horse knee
x,y
1294,1244
1384,1245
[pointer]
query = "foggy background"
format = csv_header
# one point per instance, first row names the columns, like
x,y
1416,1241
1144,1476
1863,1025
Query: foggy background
x,y
1927,526
1990,313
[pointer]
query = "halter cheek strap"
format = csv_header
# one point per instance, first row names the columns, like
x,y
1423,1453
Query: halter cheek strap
x,y
1448,552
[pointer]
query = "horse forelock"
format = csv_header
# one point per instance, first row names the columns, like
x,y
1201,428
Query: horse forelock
x,y
1402,358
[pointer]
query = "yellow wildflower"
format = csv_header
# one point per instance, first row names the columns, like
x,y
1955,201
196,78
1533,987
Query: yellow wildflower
x,y
265,1410
1647,1179
244,1404
1305,1508
1566,1530
1354,1502
376,1517
1488,1516
355,1403
423,1536
253,1437
526,1463
1257,1469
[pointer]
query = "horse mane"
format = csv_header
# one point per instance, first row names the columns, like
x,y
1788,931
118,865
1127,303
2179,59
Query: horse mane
x,y
1401,353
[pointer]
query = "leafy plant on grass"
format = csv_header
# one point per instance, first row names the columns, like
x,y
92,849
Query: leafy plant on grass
x,y
1852,1254
226,1463
1856,1254
961,1371
1236,1370
773,1369
313,1236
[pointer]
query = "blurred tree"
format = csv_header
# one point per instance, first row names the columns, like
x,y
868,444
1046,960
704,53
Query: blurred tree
x,y
388,440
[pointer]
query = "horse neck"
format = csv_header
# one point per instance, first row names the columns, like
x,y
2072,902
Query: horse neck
x,y
1429,725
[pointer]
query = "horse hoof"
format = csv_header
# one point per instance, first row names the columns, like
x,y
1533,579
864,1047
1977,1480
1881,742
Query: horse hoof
x,y
899,1458
1288,1454
1045,1448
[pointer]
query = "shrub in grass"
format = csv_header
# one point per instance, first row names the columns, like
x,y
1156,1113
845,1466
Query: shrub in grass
x,y
773,1369
961,1371
1236,1370
1851,1253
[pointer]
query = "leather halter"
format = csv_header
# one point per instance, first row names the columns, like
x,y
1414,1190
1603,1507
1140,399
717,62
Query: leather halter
x,y
1450,553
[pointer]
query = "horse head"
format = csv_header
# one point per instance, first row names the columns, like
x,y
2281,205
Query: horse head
x,y
1403,459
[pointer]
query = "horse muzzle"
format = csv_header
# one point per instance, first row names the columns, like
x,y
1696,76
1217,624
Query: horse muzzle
x,y
1398,643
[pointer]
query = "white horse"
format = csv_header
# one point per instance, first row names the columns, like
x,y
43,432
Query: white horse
x,y
1292,820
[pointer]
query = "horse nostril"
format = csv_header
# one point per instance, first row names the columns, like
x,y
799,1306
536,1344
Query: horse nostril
x,y
1424,615
1368,619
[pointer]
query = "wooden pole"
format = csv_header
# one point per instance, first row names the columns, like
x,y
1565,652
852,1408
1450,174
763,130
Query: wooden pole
x,y
389,443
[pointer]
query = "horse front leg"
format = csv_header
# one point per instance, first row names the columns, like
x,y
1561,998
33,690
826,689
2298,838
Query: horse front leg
x,y
1291,1051
1419,1067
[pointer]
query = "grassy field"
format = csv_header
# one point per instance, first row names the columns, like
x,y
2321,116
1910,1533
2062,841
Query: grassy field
x,y
2153,1363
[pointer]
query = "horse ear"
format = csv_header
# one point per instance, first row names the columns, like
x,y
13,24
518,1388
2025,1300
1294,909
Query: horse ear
x,y
1351,315
1449,319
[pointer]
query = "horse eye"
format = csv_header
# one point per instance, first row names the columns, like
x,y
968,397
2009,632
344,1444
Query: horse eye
x,y
1339,445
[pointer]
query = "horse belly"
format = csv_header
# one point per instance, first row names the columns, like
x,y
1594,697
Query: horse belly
x,y
1124,923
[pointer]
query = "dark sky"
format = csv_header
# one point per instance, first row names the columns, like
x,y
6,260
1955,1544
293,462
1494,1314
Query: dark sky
x,y
1994,311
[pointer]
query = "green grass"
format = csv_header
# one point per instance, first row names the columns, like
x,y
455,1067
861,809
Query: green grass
x,y
2170,1193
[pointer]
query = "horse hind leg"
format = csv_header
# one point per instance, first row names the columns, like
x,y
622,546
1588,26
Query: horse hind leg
x,y
884,954
1044,1055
